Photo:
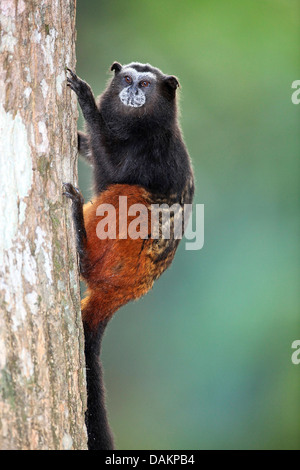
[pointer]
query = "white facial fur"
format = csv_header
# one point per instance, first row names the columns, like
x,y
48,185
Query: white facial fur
x,y
127,96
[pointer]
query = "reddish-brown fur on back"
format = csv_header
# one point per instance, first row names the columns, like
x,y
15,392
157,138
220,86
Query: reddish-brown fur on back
x,y
117,270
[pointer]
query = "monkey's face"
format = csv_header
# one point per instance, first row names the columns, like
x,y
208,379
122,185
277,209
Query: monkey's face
x,y
135,87
141,91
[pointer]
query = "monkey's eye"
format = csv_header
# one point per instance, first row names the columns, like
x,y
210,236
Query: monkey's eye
x,y
128,79
145,83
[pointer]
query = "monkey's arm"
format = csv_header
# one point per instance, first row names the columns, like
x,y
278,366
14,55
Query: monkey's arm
x,y
86,100
84,147
90,147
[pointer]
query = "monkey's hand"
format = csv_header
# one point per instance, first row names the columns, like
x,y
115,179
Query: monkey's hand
x,y
84,94
81,88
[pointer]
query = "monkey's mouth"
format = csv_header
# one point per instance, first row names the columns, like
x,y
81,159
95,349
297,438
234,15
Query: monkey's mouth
x,y
133,98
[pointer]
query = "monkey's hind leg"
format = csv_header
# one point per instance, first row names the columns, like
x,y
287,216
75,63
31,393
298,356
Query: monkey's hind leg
x,y
77,212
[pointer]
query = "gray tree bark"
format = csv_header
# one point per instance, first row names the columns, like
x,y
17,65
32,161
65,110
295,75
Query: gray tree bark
x,y
42,382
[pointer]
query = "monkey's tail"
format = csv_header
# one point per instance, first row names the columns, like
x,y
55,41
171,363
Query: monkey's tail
x,y
99,434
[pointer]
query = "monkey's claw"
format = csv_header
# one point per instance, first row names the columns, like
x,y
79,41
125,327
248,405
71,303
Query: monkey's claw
x,y
72,80
72,193
71,72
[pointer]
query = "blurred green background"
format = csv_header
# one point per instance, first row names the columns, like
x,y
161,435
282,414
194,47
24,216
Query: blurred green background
x,y
204,360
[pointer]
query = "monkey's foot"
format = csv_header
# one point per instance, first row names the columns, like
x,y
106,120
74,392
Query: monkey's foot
x,y
73,193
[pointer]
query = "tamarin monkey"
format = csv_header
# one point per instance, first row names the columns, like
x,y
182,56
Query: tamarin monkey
x,y
134,143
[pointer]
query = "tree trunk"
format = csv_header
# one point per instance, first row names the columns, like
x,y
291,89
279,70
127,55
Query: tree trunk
x,y
42,383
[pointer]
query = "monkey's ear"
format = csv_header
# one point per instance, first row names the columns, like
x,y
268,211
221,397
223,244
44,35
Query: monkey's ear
x,y
172,82
116,67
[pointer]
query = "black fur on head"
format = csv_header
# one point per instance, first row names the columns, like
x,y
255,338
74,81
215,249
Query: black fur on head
x,y
142,93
